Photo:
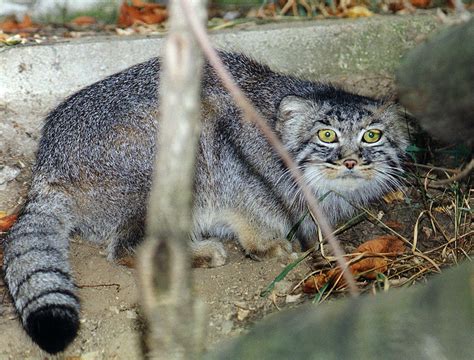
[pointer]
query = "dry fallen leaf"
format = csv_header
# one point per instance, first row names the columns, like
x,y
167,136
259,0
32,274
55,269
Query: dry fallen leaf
x,y
11,24
395,225
383,244
84,20
421,3
394,197
358,11
141,12
7,221
314,283
144,4
128,261
369,267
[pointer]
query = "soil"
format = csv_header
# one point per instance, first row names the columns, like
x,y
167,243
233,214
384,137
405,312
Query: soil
x,y
111,325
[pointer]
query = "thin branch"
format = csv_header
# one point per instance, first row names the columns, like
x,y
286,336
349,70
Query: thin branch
x,y
251,114
460,175
430,167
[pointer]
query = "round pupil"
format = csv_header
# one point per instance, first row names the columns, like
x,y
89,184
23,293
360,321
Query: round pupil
x,y
327,134
371,134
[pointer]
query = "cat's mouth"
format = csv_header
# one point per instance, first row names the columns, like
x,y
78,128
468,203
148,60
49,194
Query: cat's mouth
x,y
350,175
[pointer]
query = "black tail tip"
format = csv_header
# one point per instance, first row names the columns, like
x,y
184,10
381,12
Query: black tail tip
x,y
53,328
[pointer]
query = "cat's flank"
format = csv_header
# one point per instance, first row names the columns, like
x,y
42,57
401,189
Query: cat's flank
x,y
94,167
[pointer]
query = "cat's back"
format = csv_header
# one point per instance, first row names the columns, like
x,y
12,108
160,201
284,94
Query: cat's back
x,y
93,126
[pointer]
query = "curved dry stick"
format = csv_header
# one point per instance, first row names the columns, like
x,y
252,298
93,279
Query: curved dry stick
x,y
251,114
463,173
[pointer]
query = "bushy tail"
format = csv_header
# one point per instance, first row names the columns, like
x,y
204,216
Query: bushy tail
x,y
38,273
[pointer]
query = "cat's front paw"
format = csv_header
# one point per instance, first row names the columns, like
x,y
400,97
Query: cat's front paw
x,y
266,248
208,253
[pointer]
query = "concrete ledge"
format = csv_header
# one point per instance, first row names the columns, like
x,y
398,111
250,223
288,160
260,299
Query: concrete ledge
x,y
360,54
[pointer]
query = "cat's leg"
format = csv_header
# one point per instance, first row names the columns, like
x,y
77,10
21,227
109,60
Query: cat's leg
x,y
123,244
208,253
256,239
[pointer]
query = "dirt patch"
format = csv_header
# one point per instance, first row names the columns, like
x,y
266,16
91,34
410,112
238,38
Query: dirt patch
x,y
111,325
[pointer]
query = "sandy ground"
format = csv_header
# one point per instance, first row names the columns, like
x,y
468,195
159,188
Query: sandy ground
x,y
110,322
111,327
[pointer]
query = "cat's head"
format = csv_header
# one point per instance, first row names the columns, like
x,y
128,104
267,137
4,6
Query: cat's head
x,y
346,144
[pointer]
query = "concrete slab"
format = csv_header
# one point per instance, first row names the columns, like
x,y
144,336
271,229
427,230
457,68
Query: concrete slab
x,y
360,54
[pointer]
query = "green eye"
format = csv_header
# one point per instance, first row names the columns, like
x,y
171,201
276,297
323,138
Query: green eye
x,y
327,135
372,136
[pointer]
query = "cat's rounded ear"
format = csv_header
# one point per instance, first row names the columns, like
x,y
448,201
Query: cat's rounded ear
x,y
293,122
292,106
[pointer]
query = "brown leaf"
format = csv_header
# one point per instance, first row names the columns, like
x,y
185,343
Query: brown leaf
x,y
155,17
394,196
314,283
143,4
11,24
383,244
369,267
141,12
128,15
6,222
128,261
395,225
396,6
84,20
423,4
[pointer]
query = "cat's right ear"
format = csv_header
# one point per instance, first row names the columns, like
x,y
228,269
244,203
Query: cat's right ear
x,y
293,106
292,120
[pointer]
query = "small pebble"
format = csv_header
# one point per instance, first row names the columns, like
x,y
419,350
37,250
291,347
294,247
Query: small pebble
x,y
93,355
227,326
242,314
283,287
131,314
292,298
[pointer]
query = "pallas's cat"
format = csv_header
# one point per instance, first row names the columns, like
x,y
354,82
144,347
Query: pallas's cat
x,y
95,161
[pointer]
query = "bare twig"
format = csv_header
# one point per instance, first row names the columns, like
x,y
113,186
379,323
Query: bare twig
x,y
115,285
460,175
251,114
429,167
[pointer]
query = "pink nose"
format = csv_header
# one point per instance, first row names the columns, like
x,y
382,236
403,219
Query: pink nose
x,y
350,163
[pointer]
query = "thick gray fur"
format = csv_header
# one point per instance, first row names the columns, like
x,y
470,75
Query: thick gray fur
x,y
94,168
